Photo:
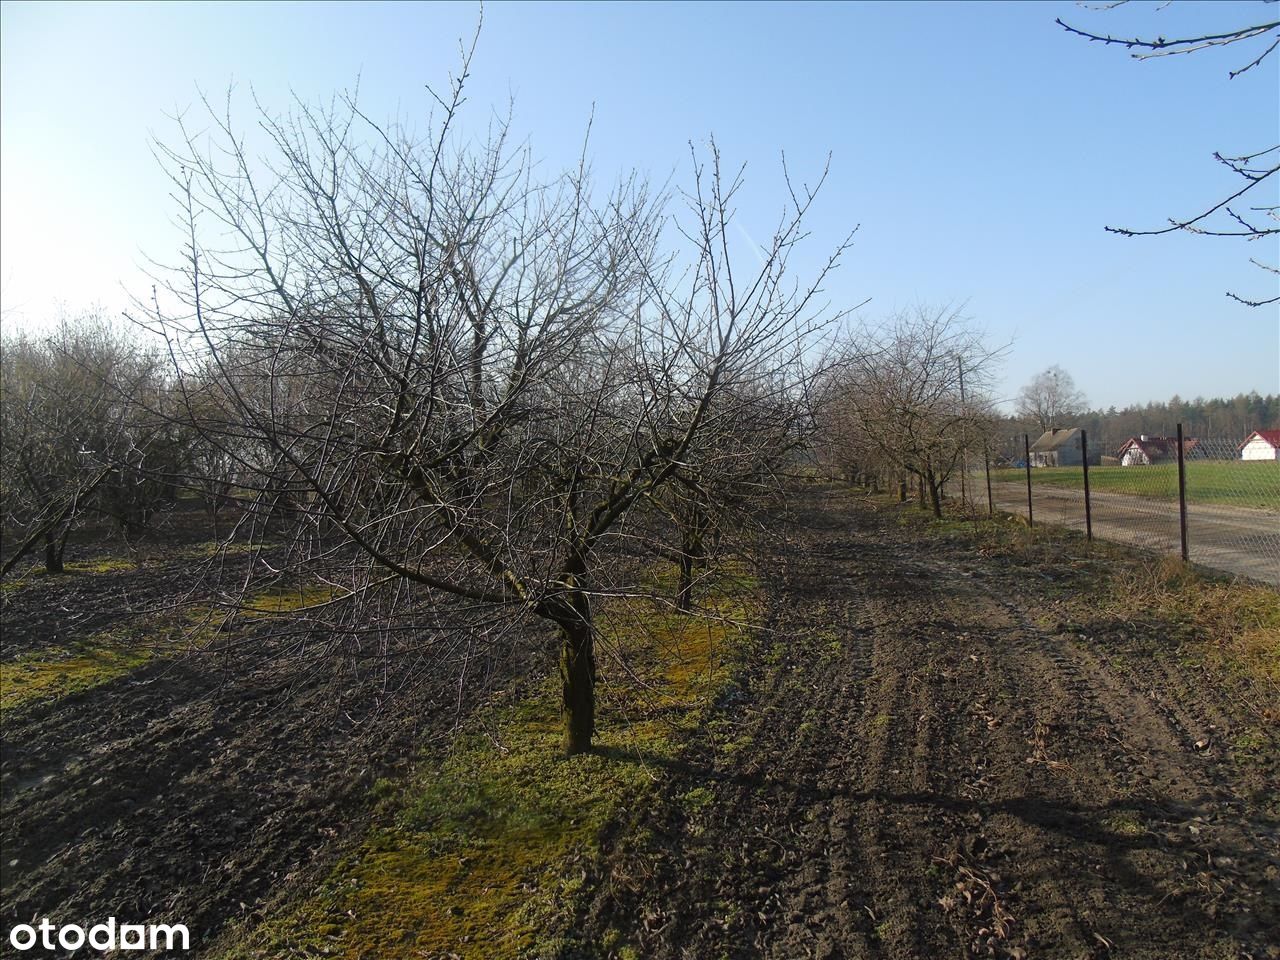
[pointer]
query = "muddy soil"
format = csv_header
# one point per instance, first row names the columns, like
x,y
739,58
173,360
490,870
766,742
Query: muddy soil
x,y
199,787
61,612
924,762
119,586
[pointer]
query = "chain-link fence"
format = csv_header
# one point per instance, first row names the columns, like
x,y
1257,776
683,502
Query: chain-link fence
x,y
1216,508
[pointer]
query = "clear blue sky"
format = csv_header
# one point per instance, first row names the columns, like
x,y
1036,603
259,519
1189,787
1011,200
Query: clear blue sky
x,y
980,148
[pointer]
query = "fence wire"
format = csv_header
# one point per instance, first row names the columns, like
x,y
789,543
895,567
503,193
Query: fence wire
x,y
1232,504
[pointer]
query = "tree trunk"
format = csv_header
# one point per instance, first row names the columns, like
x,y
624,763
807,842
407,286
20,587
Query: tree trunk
x,y
935,496
693,556
53,549
578,679
571,612
684,592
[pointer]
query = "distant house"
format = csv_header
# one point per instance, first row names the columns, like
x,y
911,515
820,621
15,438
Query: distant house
x,y
1060,447
1143,450
1261,445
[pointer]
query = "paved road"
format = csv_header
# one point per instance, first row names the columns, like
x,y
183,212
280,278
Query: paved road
x,y
1234,540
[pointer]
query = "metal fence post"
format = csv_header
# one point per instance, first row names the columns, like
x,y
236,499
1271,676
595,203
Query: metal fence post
x,y
964,449
1026,448
1182,497
1084,459
986,465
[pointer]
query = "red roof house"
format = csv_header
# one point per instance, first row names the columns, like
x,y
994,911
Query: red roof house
x,y
1143,450
1261,445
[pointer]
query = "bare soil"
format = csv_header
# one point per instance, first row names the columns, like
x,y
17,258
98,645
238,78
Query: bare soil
x,y
935,764
930,753
202,785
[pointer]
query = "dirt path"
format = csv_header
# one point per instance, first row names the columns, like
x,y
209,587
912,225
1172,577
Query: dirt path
x,y
1234,540
921,769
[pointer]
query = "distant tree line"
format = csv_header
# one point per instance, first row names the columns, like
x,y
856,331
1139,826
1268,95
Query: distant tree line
x,y
1216,417
906,403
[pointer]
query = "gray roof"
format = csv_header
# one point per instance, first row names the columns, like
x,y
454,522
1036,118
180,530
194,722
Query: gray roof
x,y
1055,439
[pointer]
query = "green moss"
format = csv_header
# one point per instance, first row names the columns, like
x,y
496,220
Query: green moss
x,y
35,575
62,669
103,565
474,858
34,677
699,798
1249,749
9,587
1125,825
287,600
1250,740
57,671
98,567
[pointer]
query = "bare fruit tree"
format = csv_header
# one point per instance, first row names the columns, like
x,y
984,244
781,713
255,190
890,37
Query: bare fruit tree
x,y
465,376
1246,213
79,436
910,398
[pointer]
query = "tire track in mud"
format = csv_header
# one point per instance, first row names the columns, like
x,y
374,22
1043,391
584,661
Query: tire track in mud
x,y
930,773
1147,800
1125,810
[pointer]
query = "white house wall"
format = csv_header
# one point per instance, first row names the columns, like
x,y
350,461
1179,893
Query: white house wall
x,y
1259,449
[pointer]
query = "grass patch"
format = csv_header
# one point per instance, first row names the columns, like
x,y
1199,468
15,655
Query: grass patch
x,y
473,857
36,677
1230,625
291,599
1237,623
1009,536
64,669
1237,483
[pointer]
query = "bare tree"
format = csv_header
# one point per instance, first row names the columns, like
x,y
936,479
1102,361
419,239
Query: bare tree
x,y
459,379
1050,398
910,397
1239,214
738,464
73,443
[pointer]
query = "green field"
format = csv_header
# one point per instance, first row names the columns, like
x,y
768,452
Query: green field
x,y
1234,483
